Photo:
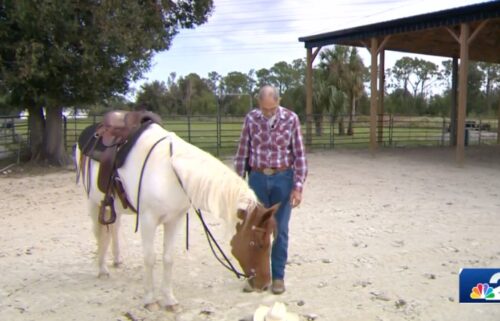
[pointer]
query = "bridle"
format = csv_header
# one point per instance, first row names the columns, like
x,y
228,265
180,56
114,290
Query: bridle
x,y
225,261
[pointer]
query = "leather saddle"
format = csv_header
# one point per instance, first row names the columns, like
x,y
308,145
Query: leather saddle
x,y
109,143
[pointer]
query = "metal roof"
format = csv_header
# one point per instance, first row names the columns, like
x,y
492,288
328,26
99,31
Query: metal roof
x,y
425,33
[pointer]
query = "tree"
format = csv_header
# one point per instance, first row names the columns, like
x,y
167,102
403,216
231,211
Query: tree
x,y
265,77
65,53
491,81
196,95
153,96
238,97
346,72
283,76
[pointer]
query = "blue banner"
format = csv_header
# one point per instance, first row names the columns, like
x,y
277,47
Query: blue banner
x,y
479,285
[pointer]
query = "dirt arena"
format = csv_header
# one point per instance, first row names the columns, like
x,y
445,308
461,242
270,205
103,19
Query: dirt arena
x,y
375,239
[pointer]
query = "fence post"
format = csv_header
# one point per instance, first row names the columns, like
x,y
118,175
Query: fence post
x,y
480,128
65,131
219,132
391,128
331,131
189,127
93,120
443,131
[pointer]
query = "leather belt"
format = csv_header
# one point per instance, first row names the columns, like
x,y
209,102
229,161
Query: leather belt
x,y
270,170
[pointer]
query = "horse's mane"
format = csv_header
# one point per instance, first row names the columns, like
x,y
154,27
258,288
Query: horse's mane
x,y
210,184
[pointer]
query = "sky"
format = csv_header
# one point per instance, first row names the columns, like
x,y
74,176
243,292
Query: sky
x,y
251,34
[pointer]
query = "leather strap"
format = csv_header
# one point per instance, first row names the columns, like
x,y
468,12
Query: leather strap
x,y
270,170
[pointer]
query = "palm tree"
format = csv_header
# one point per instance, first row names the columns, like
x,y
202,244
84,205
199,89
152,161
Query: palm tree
x,y
345,72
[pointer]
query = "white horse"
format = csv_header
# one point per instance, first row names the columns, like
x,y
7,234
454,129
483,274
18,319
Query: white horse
x,y
178,175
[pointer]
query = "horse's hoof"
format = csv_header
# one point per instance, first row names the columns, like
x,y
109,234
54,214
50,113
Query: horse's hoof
x,y
152,307
103,275
118,264
175,308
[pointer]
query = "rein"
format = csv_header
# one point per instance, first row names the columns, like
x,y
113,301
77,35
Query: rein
x,y
224,261
212,241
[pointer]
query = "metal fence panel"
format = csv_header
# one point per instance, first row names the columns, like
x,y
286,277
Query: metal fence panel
x,y
219,134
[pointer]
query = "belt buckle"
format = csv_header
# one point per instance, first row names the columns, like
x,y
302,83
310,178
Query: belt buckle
x,y
268,171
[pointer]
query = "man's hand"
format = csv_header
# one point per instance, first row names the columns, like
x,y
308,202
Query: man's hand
x,y
295,198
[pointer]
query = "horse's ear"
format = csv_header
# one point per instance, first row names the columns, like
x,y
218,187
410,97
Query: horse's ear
x,y
269,212
241,214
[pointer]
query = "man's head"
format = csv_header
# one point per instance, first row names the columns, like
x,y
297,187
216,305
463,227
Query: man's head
x,y
268,98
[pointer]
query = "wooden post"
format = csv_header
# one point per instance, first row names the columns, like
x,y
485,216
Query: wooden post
x,y
498,125
462,91
454,93
381,93
373,96
309,96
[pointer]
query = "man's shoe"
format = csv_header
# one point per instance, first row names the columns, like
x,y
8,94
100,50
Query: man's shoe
x,y
278,287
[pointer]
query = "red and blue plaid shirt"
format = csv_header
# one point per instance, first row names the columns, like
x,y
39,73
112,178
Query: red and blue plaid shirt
x,y
274,145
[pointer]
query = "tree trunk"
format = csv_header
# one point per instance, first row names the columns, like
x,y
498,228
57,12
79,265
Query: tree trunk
x,y
341,126
53,146
352,111
36,124
318,124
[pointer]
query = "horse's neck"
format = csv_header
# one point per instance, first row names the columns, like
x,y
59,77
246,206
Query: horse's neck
x,y
210,184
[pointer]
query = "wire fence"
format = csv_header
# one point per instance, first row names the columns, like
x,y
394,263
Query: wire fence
x,y
14,133
219,135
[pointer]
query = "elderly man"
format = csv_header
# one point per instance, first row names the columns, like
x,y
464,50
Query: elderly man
x,y
271,144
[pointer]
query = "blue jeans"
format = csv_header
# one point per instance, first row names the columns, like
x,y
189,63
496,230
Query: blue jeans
x,y
271,190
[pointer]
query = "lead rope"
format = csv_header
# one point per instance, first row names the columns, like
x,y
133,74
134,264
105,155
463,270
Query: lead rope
x,y
187,231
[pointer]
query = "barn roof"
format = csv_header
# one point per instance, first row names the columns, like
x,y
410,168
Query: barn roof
x,y
426,33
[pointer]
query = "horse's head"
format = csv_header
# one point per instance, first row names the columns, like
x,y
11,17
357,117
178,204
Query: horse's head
x,y
251,245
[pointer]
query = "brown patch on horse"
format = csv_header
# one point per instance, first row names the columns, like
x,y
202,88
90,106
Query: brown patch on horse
x,y
251,245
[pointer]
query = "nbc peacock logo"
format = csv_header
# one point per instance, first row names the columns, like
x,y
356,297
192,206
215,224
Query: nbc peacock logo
x,y
482,291
479,285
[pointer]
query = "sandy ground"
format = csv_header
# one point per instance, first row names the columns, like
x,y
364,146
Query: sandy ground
x,y
375,239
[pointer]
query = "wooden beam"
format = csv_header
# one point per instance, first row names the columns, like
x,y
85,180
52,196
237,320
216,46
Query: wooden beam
x,y
453,34
454,96
315,53
476,31
309,94
364,44
381,93
373,96
462,91
384,42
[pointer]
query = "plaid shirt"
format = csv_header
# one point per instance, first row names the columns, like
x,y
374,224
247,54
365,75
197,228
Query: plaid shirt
x,y
272,146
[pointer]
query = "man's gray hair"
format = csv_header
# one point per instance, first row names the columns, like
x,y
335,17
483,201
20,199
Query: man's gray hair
x,y
262,90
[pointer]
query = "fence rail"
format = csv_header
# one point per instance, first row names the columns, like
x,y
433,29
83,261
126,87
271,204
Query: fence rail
x,y
220,134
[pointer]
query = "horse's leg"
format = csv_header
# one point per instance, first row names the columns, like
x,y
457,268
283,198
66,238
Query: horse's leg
x,y
169,300
115,235
103,237
148,230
